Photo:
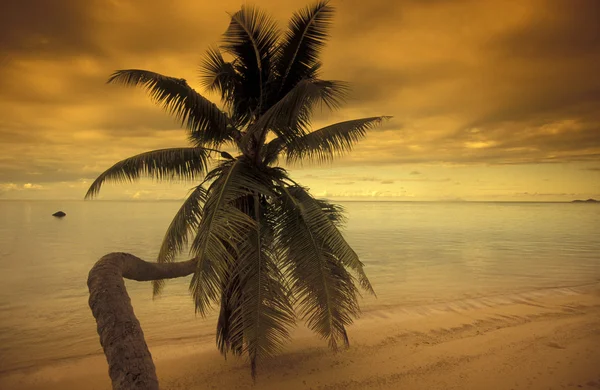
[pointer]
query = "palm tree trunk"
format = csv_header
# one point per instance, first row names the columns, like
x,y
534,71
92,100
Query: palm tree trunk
x,y
129,360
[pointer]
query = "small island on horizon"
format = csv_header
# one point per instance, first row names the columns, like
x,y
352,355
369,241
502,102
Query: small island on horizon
x,y
585,201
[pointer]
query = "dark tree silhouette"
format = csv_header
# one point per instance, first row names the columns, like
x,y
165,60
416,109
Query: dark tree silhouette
x,y
263,247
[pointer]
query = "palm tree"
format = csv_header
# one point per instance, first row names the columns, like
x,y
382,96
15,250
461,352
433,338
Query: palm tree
x,y
265,250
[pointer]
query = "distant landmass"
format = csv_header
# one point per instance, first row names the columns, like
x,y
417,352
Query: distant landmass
x,y
586,201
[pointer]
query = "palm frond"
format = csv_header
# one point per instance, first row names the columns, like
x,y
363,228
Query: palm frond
x,y
316,263
223,226
334,212
265,311
207,124
230,324
332,93
290,116
251,38
302,44
324,144
220,76
272,150
163,164
185,222
315,212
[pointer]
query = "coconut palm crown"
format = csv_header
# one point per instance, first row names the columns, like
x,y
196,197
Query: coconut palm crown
x,y
267,251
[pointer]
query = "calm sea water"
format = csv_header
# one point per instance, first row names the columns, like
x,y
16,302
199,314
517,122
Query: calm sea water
x,y
415,254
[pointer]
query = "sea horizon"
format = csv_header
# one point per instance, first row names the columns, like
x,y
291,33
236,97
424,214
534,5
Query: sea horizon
x,y
421,256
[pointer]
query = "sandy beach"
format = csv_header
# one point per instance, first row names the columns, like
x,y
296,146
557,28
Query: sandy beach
x,y
546,339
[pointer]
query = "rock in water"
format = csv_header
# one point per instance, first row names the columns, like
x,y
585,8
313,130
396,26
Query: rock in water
x,y
59,214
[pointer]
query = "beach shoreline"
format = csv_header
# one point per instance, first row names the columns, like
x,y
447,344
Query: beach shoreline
x,y
537,340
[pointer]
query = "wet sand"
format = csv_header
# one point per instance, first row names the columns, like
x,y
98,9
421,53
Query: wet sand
x,y
541,340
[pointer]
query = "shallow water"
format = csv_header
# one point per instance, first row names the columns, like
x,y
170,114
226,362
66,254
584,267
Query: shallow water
x,y
416,255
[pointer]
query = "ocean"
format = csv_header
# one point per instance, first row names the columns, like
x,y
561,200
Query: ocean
x,y
418,255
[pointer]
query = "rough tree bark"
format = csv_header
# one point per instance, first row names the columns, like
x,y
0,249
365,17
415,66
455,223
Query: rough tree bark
x,y
129,360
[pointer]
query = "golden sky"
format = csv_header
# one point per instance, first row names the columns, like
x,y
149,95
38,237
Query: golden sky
x,y
492,100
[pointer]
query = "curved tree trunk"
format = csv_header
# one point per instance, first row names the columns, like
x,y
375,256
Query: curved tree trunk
x,y
129,360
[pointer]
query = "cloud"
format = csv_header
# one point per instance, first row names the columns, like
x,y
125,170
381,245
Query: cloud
x,y
344,183
46,28
31,186
367,178
367,193
563,30
350,179
5,187
14,188
443,180
140,194
468,82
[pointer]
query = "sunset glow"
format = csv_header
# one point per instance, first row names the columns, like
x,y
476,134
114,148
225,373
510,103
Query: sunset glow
x,y
491,100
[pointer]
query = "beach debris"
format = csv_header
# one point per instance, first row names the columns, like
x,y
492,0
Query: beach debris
x,y
59,214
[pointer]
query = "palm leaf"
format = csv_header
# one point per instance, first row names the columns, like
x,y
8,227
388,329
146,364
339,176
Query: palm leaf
x,y
265,311
319,214
184,223
334,212
163,164
271,151
207,124
300,49
290,116
320,300
251,38
324,144
220,76
327,296
223,226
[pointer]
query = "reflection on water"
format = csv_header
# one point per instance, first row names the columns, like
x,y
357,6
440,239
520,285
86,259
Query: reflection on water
x,y
418,255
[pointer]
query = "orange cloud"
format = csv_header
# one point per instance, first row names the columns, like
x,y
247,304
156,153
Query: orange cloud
x,y
468,82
